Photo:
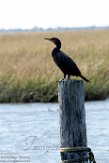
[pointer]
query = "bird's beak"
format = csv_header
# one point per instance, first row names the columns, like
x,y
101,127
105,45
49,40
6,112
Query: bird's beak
x,y
47,39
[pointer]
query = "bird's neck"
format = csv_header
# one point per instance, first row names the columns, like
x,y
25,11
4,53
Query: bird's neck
x,y
55,51
58,46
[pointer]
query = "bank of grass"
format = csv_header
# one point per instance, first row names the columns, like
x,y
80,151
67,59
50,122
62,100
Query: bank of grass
x,y
28,74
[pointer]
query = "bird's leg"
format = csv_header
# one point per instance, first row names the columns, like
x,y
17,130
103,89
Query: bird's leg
x,y
63,78
68,76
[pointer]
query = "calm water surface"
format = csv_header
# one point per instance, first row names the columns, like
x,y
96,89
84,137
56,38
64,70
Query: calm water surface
x,y
30,132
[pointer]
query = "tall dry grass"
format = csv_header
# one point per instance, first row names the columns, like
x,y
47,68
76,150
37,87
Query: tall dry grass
x,y
28,73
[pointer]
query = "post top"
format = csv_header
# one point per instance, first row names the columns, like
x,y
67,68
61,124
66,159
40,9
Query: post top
x,y
70,80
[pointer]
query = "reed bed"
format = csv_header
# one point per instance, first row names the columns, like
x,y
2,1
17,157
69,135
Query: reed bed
x,y
28,73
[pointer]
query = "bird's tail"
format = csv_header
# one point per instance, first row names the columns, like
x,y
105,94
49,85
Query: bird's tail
x,y
84,78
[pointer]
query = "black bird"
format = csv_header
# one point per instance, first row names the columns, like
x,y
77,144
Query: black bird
x,y
64,62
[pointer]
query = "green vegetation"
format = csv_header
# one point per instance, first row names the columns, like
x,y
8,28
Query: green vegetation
x,y
28,73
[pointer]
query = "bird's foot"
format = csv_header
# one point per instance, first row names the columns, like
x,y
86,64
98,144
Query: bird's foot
x,y
60,80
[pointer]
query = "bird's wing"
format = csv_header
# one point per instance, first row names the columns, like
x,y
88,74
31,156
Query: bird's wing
x,y
66,64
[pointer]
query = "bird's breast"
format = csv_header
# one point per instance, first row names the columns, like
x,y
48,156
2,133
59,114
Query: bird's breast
x,y
56,57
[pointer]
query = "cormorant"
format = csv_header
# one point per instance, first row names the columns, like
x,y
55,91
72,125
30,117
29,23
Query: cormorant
x,y
64,62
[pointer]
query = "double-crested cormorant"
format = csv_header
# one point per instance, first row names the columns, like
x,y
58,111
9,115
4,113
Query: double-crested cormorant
x,y
64,62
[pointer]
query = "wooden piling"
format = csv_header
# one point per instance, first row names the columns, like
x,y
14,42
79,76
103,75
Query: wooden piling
x,y
72,119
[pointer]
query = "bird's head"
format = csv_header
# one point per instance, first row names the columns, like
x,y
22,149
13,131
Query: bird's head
x,y
55,40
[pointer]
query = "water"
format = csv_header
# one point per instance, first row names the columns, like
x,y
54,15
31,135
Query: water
x,y
30,132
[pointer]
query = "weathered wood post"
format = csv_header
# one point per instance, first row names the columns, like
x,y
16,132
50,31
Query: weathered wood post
x,y
72,120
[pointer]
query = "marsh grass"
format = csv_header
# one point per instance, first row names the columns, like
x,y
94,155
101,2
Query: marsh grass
x,y
28,73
